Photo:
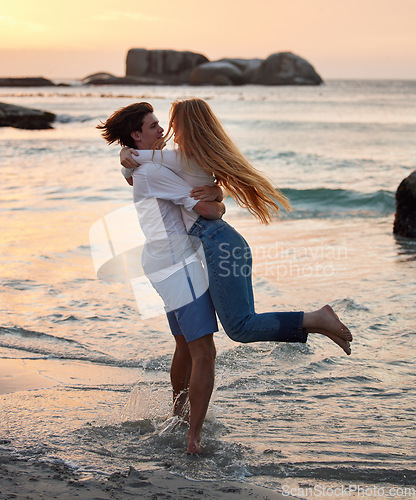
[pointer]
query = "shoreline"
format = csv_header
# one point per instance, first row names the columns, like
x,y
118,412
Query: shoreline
x,y
34,479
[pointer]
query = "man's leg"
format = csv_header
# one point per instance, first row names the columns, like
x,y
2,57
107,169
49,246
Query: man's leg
x,y
180,373
201,385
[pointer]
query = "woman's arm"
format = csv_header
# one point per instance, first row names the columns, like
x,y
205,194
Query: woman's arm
x,y
132,158
126,158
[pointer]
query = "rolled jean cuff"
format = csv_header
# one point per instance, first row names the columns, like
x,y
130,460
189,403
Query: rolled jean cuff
x,y
303,336
291,329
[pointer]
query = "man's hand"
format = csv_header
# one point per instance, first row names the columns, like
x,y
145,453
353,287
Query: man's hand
x,y
126,160
207,193
210,209
130,181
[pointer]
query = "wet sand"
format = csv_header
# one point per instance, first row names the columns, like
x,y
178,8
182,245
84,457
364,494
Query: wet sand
x,y
32,479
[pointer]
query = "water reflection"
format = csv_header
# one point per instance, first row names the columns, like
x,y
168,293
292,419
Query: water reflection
x,y
406,248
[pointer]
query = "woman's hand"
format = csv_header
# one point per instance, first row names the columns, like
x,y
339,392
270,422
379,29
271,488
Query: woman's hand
x,y
126,160
207,193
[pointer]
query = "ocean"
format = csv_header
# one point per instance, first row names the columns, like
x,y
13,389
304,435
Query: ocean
x,y
304,419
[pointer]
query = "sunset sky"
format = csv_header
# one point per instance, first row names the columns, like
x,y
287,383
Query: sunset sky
x,y
341,38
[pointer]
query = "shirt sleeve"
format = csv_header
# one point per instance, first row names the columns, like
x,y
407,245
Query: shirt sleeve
x,y
169,158
164,184
127,172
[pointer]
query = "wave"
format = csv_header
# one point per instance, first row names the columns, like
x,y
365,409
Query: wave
x,y
323,202
43,344
39,345
353,472
75,119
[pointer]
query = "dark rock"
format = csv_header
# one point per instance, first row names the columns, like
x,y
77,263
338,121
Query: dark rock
x,y
405,218
217,73
247,66
97,76
285,68
168,67
107,79
20,117
26,82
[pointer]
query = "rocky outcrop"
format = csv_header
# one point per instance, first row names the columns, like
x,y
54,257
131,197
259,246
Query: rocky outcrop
x,y
99,77
285,68
168,67
26,82
108,79
217,73
247,66
405,218
20,117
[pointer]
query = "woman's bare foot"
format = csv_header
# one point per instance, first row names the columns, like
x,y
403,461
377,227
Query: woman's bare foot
x,y
326,322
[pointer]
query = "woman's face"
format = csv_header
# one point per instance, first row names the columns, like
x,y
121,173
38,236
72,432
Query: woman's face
x,y
176,133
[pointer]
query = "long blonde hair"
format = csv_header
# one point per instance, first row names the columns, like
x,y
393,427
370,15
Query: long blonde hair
x,y
200,137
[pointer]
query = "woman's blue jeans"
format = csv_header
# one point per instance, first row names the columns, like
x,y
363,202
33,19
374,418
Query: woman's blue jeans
x,y
228,260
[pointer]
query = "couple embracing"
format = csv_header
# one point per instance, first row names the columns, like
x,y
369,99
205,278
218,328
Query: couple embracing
x,y
178,196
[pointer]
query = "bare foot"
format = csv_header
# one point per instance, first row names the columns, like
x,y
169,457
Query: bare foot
x,y
344,344
194,446
326,322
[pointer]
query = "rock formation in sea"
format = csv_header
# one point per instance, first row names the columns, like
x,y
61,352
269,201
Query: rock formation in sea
x,y
405,218
171,67
285,68
109,79
217,73
26,82
27,118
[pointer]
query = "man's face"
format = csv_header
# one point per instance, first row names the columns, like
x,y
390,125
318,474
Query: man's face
x,y
151,132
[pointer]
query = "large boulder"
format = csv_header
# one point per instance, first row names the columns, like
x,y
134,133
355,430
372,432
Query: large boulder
x,y
405,218
247,66
217,73
108,79
20,117
26,82
99,77
169,67
285,68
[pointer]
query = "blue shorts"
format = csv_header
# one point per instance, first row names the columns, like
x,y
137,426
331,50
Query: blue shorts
x,y
194,320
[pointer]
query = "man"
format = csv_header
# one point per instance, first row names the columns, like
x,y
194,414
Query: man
x,y
171,264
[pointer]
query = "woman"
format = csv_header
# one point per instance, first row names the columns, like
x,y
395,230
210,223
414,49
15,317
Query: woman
x,y
203,145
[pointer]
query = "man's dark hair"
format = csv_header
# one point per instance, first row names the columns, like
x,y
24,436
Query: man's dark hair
x,y
123,122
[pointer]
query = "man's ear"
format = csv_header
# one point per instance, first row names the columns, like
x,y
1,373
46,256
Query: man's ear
x,y
135,136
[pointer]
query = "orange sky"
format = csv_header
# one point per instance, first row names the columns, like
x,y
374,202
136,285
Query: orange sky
x,y
341,38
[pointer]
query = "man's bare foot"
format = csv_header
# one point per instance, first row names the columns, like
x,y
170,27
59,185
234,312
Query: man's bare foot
x,y
326,322
194,446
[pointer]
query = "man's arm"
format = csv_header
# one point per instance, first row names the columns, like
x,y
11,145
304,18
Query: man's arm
x,y
207,193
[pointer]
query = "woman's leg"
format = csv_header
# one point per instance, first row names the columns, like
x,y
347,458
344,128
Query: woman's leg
x,y
228,260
